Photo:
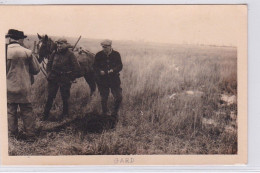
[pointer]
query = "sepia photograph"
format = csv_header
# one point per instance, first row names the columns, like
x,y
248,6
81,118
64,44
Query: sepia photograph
x,y
141,84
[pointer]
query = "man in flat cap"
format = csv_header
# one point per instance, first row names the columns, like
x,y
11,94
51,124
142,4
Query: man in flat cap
x,y
107,66
62,69
20,64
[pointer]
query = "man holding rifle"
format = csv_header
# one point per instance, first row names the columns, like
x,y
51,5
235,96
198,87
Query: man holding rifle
x,y
62,69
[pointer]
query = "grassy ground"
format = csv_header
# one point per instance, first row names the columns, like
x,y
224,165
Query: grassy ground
x,y
171,105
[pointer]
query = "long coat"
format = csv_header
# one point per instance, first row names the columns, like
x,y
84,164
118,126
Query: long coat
x,y
20,64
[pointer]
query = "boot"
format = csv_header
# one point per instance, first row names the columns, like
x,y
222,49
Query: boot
x,y
47,109
45,117
30,138
13,134
116,108
104,108
65,111
114,114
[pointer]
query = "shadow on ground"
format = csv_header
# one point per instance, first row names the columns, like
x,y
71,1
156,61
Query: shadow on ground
x,y
90,123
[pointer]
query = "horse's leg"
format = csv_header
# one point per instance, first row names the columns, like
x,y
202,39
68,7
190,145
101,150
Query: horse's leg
x,y
90,79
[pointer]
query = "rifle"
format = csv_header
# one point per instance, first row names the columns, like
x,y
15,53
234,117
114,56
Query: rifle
x,y
76,43
6,47
88,52
72,50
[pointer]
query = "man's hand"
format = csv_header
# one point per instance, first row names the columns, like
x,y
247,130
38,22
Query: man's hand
x,y
73,81
110,71
102,73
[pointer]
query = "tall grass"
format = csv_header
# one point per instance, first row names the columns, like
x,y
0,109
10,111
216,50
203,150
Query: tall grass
x,y
150,121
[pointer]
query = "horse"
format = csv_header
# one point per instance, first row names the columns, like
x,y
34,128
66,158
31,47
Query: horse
x,y
46,46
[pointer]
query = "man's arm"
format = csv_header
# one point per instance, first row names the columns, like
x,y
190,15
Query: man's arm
x,y
119,65
34,66
96,65
75,67
8,65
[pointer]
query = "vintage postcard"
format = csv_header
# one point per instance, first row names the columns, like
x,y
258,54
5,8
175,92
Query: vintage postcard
x,y
123,84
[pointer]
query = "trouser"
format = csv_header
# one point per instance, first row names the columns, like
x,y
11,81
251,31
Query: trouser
x,y
52,91
117,94
26,115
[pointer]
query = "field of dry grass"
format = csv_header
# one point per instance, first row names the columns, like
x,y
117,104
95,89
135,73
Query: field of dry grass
x,y
177,99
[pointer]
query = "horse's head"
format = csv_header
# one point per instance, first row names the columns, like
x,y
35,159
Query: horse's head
x,y
45,46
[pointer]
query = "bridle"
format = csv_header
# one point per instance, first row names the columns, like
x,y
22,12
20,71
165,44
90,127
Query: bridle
x,y
44,48
39,43
46,55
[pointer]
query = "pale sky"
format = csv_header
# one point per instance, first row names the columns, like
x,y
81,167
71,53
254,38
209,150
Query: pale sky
x,y
220,25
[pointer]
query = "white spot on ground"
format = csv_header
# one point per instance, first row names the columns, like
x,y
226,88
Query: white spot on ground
x,y
229,99
230,129
197,93
207,121
190,93
233,116
172,96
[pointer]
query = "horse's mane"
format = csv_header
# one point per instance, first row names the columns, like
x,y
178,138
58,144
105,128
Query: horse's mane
x,y
53,45
47,47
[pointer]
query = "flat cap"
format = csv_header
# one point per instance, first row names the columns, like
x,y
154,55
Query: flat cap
x,y
61,40
106,42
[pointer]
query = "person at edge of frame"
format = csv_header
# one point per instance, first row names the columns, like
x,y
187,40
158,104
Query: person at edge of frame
x,y
20,64
21,42
107,66
62,69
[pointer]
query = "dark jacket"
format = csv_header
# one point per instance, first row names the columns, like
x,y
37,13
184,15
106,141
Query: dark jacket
x,y
104,63
63,67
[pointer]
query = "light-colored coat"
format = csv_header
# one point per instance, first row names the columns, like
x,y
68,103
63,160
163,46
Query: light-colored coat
x,y
20,64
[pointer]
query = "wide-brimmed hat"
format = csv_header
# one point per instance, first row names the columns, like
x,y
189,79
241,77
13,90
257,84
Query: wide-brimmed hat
x,y
106,42
22,34
15,34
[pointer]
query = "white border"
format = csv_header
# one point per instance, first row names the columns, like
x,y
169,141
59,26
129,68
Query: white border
x,y
253,92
